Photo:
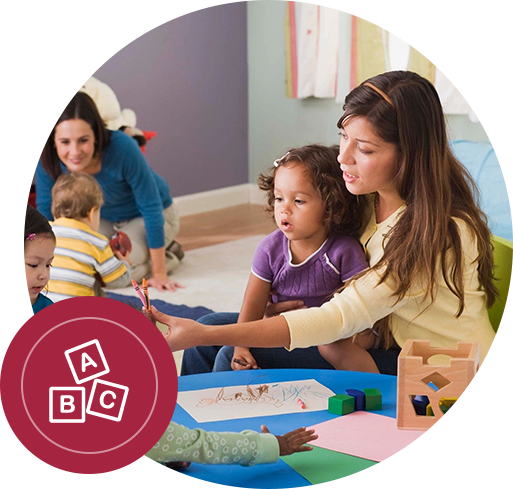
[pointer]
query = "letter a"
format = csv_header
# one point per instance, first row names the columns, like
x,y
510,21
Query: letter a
x,y
86,361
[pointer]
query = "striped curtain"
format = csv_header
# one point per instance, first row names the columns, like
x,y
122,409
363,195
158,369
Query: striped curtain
x,y
423,38
333,45
465,47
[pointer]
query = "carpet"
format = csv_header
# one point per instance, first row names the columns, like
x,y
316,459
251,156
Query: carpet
x,y
180,311
214,278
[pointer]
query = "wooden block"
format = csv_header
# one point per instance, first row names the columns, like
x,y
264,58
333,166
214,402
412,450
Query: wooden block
x,y
341,404
420,371
359,399
372,399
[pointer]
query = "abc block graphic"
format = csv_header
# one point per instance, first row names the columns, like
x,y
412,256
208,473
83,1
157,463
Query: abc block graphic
x,y
104,403
107,400
87,361
67,405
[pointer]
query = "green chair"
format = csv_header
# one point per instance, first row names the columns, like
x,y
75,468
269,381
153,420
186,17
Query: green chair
x,y
501,317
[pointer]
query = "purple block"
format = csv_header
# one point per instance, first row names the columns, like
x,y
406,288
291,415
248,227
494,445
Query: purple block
x,y
359,399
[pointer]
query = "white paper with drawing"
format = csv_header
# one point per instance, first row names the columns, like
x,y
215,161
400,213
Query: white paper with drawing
x,y
250,401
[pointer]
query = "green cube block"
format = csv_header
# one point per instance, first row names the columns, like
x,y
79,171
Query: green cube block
x,y
444,408
341,404
372,399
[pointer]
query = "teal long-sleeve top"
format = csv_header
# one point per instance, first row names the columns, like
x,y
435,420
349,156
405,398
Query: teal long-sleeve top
x,y
130,188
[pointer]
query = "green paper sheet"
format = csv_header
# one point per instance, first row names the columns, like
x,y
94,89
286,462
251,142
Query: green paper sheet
x,y
321,465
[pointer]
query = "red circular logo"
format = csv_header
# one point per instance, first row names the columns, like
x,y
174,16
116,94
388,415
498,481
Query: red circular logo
x,y
97,377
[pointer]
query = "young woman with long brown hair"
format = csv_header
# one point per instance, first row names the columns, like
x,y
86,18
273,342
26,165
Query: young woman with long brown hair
x,y
427,241
137,199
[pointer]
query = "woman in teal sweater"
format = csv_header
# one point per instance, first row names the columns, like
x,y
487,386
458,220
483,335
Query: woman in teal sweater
x,y
137,200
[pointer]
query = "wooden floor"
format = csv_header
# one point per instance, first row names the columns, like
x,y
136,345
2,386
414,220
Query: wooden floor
x,y
223,225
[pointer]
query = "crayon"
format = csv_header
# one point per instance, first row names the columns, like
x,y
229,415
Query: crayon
x,y
139,293
240,362
145,291
147,295
301,403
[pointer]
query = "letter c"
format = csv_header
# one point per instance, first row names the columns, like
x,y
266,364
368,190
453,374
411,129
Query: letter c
x,y
102,397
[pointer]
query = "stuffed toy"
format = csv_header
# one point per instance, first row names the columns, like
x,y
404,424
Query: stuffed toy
x,y
121,242
110,109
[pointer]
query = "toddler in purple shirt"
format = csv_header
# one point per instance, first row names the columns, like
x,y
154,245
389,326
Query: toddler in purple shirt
x,y
313,251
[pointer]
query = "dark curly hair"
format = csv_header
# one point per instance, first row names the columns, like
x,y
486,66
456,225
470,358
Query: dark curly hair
x,y
343,210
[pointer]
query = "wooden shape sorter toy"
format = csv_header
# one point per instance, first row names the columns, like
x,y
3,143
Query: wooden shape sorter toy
x,y
437,373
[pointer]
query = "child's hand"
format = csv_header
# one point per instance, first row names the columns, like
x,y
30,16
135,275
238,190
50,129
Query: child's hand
x,y
246,361
178,465
293,441
122,257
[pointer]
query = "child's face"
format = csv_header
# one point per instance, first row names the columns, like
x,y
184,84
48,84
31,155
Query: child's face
x,y
368,163
74,143
298,209
38,258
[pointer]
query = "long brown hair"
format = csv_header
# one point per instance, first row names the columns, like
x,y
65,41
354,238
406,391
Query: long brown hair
x,y
434,184
81,106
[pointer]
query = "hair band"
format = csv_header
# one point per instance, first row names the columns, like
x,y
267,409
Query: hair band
x,y
381,92
278,161
31,237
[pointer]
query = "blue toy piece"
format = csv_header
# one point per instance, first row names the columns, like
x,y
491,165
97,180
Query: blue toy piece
x,y
420,404
359,399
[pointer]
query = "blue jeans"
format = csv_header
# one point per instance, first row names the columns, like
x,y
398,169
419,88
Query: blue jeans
x,y
203,359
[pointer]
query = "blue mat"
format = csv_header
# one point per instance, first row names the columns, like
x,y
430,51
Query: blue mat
x,y
177,310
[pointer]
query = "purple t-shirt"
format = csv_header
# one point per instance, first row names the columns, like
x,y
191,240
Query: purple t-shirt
x,y
314,280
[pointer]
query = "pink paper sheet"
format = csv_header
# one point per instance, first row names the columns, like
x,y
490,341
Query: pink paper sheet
x,y
362,434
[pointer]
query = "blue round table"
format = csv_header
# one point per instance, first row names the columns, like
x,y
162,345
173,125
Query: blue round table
x,y
279,474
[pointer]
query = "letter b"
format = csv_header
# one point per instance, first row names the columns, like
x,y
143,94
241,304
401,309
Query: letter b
x,y
67,404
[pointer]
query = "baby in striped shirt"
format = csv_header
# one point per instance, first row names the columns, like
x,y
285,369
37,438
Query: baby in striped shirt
x,y
84,261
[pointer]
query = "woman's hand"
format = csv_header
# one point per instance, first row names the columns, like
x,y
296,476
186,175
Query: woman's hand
x,y
161,282
181,333
246,361
294,441
273,309
149,315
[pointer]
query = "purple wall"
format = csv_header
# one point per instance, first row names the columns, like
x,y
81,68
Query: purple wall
x,y
187,80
